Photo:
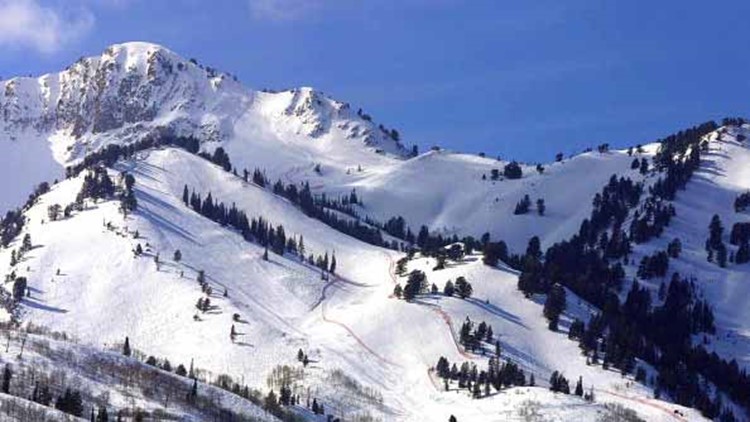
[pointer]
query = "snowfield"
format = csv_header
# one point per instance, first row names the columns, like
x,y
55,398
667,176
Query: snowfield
x,y
349,323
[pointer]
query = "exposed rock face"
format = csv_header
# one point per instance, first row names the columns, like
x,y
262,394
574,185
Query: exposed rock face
x,y
135,90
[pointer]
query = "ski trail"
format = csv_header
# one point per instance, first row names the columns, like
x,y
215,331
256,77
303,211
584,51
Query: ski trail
x,y
647,402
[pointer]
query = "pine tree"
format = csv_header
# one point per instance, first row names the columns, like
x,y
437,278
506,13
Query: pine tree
x,y
193,394
177,255
7,376
333,264
463,287
185,195
540,207
126,348
102,415
265,254
398,291
579,387
448,290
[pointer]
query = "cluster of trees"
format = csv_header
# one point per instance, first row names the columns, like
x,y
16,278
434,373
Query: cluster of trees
x,y
655,265
473,335
733,121
56,211
742,202
715,247
658,334
325,210
650,221
205,400
219,157
257,229
11,226
302,358
522,207
512,170
69,401
554,305
640,165
110,154
17,255
97,185
740,236
12,223
481,383
128,203
679,155
417,284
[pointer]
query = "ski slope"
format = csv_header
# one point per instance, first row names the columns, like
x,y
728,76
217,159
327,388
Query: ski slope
x,y
371,354
348,323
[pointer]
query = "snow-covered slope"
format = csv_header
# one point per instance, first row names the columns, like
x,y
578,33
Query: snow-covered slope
x,y
138,90
371,354
723,175
348,324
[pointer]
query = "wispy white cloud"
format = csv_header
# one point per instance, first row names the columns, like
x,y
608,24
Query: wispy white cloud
x,y
283,10
44,28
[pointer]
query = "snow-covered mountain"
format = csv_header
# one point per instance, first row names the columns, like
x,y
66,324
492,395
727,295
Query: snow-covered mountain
x,y
100,275
139,90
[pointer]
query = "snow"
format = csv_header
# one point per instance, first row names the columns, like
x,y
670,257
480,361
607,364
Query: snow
x,y
722,176
103,377
350,323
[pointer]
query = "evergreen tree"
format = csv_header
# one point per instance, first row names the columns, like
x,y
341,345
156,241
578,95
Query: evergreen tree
x,y
512,170
7,376
181,371
20,286
579,387
333,264
126,347
463,287
177,255
415,284
448,289
540,207
102,415
554,305
193,393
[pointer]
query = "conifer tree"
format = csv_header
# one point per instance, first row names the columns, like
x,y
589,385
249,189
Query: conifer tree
x,y
126,347
7,376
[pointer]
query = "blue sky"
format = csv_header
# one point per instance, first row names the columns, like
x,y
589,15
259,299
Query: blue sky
x,y
519,79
